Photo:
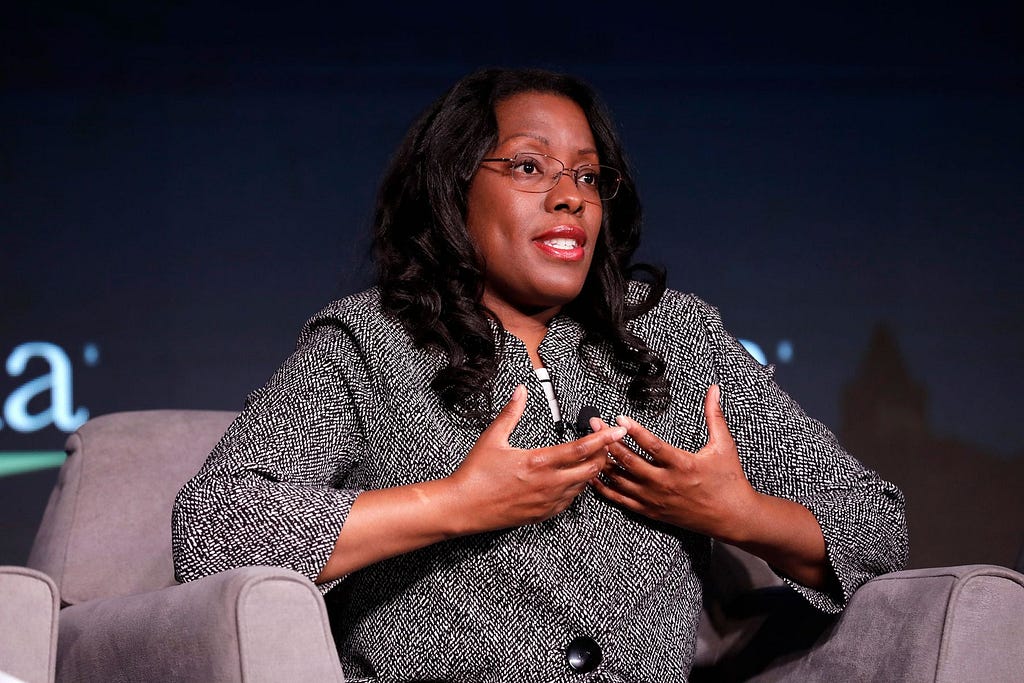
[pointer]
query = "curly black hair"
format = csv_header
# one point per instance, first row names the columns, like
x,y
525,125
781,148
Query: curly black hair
x,y
431,275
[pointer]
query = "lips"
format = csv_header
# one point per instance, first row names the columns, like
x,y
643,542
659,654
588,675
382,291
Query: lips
x,y
564,242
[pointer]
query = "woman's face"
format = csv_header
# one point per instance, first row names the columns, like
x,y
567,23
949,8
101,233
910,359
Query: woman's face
x,y
536,247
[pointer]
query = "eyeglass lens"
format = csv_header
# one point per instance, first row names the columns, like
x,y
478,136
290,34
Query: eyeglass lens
x,y
540,173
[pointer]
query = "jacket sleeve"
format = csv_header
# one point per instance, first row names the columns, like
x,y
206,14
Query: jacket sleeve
x,y
269,493
787,454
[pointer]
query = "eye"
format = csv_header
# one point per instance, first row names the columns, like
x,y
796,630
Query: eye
x,y
525,164
588,175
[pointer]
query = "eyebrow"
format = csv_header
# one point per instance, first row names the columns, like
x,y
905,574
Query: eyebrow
x,y
544,141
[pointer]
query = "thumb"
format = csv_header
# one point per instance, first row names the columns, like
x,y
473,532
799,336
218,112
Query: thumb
x,y
718,429
505,423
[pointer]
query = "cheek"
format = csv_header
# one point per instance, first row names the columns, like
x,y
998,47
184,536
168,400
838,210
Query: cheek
x,y
519,210
508,222
496,214
597,234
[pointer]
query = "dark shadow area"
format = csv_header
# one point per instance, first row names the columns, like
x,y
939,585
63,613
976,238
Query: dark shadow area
x,y
751,619
964,505
21,508
790,627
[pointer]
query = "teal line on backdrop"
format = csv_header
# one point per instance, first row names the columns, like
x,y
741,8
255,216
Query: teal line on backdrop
x,y
19,462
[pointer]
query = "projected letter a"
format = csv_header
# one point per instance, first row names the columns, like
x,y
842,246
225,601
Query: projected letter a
x,y
57,382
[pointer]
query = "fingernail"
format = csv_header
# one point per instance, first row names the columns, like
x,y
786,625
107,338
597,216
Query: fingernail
x,y
618,432
622,420
519,391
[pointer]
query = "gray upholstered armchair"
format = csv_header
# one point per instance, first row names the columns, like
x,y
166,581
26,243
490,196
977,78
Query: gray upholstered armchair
x,y
28,625
105,541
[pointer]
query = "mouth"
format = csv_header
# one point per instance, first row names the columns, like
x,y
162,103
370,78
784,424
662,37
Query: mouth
x,y
564,242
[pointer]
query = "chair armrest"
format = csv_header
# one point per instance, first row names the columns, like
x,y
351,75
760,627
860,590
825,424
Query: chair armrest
x,y
29,608
249,624
938,625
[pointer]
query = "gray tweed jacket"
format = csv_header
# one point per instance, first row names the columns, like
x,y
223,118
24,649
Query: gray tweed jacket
x,y
351,410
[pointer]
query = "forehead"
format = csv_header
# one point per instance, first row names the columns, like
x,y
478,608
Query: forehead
x,y
549,119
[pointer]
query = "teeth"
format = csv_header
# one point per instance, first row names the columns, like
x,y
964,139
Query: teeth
x,y
561,243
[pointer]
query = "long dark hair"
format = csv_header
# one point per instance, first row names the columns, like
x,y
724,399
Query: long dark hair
x,y
430,274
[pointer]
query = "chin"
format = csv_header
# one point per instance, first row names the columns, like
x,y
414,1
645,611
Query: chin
x,y
562,294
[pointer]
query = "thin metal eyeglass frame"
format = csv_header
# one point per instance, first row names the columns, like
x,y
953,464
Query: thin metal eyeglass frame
x,y
555,177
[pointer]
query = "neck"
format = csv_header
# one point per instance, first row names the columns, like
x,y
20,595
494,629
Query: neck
x,y
529,326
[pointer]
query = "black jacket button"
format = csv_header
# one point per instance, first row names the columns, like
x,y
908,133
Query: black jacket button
x,y
583,655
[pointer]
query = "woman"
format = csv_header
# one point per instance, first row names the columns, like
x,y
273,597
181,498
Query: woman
x,y
420,456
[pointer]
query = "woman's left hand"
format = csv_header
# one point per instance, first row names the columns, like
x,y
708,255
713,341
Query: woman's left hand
x,y
706,491
709,493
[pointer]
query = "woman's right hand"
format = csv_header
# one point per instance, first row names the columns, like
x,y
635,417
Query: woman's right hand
x,y
495,487
498,486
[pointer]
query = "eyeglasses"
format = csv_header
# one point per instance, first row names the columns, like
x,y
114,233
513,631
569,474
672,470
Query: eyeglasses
x,y
533,172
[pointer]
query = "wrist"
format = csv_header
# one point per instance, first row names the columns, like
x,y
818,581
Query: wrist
x,y
745,525
446,500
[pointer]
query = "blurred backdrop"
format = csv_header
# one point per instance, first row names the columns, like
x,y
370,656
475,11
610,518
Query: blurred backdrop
x,y
182,184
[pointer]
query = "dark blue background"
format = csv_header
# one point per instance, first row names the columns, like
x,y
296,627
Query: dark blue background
x,y
182,185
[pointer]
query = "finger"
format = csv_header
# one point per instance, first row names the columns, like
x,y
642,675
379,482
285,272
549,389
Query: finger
x,y
591,446
600,440
718,429
582,471
643,437
596,425
630,464
623,483
615,496
505,422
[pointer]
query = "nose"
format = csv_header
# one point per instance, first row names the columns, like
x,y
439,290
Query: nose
x,y
565,195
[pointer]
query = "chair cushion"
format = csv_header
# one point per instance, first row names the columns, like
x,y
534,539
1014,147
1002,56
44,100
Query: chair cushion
x,y
106,530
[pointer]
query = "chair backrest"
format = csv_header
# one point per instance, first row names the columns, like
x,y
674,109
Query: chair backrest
x,y
106,530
